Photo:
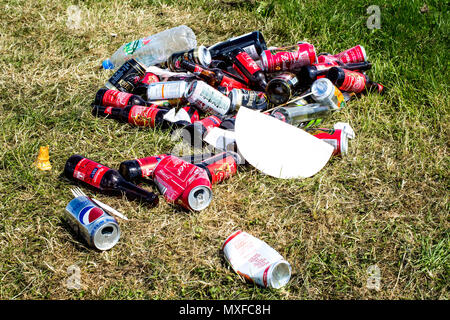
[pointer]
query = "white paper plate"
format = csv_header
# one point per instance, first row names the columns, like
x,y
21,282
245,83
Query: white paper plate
x,y
279,149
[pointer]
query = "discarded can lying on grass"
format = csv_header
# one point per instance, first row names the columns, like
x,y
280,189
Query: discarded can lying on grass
x,y
95,226
256,261
183,183
126,77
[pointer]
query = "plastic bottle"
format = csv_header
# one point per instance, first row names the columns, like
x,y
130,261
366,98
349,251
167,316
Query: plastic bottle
x,y
154,49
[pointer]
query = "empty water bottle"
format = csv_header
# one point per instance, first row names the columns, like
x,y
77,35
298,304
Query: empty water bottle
x,y
154,49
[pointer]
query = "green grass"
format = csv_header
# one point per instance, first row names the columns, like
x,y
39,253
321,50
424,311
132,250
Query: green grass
x,y
385,204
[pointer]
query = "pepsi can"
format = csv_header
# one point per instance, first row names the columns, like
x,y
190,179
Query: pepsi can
x,y
99,229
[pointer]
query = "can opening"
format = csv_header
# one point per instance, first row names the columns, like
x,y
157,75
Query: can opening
x,y
280,275
199,198
107,231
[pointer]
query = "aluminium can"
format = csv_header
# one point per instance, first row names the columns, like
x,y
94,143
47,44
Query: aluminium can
x,y
95,226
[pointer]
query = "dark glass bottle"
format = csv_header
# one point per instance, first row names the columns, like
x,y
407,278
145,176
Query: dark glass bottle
x,y
353,81
253,43
282,88
143,167
113,98
308,74
214,77
136,115
103,178
248,69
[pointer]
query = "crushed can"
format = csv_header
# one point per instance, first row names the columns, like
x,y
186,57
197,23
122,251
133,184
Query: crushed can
x,y
183,183
95,226
256,261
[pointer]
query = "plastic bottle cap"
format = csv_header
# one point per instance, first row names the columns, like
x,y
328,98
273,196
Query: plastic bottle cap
x,y
107,64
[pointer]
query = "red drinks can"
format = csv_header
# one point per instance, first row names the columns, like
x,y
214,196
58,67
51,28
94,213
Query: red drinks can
x,y
353,55
183,183
335,137
290,58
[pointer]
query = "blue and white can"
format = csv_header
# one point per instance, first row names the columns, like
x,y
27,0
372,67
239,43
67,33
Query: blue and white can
x,y
99,229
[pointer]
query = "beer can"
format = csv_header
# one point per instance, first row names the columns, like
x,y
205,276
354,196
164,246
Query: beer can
x,y
95,226
248,98
183,183
290,58
166,90
335,137
127,76
199,55
323,91
256,261
281,88
207,98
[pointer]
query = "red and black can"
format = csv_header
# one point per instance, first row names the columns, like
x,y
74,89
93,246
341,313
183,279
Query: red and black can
x,y
126,77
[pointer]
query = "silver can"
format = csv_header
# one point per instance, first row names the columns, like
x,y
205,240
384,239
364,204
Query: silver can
x,y
95,226
166,90
324,91
207,98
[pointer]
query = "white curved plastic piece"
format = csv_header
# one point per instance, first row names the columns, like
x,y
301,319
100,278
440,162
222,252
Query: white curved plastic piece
x,y
279,149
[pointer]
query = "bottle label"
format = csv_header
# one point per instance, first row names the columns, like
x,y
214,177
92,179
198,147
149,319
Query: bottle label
x,y
353,82
116,98
148,164
233,84
150,78
143,116
222,169
166,90
132,46
211,122
90,172
193,113
108,110
248,63
251,50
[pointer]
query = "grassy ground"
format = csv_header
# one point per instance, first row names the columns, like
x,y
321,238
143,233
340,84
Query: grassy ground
x,y
385,204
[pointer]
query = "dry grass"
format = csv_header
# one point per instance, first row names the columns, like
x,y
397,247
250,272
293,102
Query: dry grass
x,y
384,204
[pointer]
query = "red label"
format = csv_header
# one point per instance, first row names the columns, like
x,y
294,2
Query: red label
x,y
248,63
330,136
193,113
353,82
108,110
116,98
211,122
325,65
222,169
143,116
150,78
232,84
149,164
90,172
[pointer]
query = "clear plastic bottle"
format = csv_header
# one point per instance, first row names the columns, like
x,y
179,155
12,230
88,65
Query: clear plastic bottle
x,y
154,49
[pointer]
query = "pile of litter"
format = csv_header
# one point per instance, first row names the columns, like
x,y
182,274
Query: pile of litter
x,y
254,105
